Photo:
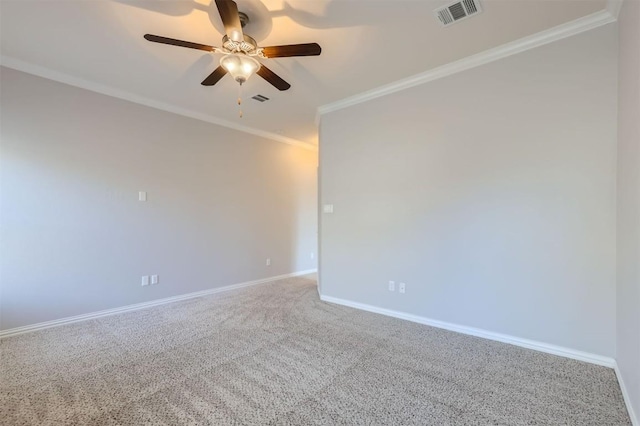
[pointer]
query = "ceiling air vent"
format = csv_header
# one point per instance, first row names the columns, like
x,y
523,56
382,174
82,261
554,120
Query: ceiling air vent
x,y
457,11
260,98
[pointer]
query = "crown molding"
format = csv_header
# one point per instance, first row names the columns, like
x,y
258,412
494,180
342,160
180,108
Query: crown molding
x,y
595,20
613,7
60,77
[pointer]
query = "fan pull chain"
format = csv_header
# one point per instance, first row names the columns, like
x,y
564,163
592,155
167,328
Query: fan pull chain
x,y
240,100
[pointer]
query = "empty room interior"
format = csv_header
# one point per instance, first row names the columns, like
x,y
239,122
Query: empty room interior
x,y
320,212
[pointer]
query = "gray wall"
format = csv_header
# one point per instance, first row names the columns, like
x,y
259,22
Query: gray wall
x,y
628,347
491,193
75,239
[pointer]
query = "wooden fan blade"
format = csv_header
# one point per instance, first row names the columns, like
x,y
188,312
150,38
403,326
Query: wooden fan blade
x,y
273,78
228,10
306,49
181,43
214,77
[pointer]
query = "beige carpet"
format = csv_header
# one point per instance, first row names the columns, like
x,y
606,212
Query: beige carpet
x,y
275,354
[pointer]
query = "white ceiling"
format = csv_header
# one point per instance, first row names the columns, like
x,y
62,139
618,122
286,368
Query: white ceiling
x,y
366,44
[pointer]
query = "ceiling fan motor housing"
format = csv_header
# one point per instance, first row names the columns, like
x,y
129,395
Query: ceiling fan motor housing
x,y
244,19
248,45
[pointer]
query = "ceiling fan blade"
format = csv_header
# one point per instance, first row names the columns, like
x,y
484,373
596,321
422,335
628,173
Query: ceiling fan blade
x,y
306,49
214,77
181,43
273,78
228,10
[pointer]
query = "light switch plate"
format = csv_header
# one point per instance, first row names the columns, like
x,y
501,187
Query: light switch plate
x,y
145,280
154,279
327,208
142,196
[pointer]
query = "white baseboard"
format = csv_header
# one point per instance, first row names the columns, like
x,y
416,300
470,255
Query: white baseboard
x,y
93,315
525,343
626,396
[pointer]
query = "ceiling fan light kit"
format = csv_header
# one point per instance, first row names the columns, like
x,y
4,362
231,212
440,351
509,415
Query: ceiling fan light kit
x,y
240,50
240,66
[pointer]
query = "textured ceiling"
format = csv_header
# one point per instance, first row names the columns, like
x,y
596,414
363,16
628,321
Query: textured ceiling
x,y
365,43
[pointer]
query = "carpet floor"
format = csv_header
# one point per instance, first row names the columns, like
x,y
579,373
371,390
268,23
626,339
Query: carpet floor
x,y
275,354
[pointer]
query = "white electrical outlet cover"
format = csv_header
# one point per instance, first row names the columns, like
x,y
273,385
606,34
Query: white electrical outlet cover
x,y
392,286
142,196
145,280
154,279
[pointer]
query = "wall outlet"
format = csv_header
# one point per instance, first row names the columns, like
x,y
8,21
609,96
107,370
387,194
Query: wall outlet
x,y
268,262
145,280
312,255
401,287
154,279
392,286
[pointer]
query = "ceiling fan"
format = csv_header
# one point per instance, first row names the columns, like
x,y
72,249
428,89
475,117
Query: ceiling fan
x,y
240,50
